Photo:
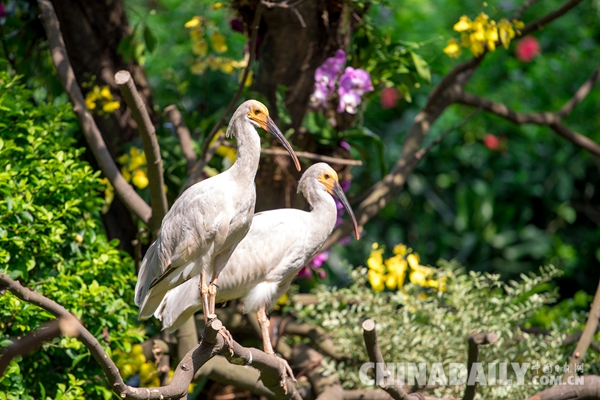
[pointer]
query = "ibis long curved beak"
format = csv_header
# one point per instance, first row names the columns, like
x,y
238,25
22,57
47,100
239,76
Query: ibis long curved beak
x,y
274,130
338,192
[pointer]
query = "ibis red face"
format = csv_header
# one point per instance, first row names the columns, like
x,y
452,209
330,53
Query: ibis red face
x,y
329,179
260,115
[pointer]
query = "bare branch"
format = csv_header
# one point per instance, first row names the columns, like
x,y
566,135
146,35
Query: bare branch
x,y
366,394
375,356
551,16
589,390
317,335
476,340
33,340
197,172
541,118
586,337
580,94
312,156
183,133
272,369
92,134
158,197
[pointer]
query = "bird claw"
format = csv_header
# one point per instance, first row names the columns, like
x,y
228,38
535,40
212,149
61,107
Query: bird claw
x,y
288,372
228,339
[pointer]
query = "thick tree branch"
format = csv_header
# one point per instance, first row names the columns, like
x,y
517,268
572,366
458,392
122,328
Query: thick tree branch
x,y
92,134
375,356
476,340
550,119
317,335
272,369
197,172
185,138
158,197
586,337
32,341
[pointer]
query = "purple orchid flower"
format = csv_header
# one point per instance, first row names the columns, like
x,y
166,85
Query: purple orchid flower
x,y
326,76
353,84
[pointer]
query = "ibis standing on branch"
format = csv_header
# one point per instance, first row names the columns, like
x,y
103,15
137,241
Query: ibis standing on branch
x,y
263,265
206,223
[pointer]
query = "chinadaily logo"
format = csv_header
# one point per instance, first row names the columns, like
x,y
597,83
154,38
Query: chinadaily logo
x,y
484,374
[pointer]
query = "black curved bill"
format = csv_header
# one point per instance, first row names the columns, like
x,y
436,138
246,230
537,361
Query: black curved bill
x,y
338,192
274,130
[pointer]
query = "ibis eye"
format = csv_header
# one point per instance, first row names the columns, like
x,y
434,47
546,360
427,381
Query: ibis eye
x,y
256,111
327,176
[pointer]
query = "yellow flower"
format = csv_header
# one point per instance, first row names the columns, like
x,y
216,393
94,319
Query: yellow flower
x,y
218,42
375,261
214,62
417,277
452,49
196,34
413,260
400,250
227,152
105,93
217,5
137,160
476,46
518,24
140,179
126,174
198,68
90,102
249,78
463,24
491,35
391,281
376,281
506,32
111,106
200,48
226,66
194,22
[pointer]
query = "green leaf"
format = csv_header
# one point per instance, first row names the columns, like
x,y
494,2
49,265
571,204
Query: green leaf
x,y
150,39
421,66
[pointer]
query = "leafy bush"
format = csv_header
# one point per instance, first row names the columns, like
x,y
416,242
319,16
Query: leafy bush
x,y
417,324
51,239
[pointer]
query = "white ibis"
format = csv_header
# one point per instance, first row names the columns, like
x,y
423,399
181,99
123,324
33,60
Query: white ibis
x,y
266,261
200,232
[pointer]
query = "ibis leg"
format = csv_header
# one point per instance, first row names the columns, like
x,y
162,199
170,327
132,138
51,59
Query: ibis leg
x,y
204,294
212,295
264,323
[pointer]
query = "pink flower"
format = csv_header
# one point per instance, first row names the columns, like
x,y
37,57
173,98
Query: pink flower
x,y
389,97
326,76
491,142
527,49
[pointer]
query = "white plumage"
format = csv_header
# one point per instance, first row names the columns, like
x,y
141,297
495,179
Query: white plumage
x,y
200,232
266,261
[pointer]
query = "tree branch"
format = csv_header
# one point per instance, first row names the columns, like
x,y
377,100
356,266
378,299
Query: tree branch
x,y
476,340
550,119
158,197
92,134
586,337
546,19
272,369
33,340
317,335
589,390
185,138
580,94
375,356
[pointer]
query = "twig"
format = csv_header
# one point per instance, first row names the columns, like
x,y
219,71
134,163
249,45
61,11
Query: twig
x,y
421,153
375,356
523,8
580,94
271,368
32,341
546,19
586,337
158,197
183,133
550,119
476,340
92,134
253,36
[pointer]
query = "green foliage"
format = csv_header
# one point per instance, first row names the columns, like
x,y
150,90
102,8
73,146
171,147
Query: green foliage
x,y
413,327
51,240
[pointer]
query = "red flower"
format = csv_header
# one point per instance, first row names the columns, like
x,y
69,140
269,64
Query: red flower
x,y
389,97
528,48
491,142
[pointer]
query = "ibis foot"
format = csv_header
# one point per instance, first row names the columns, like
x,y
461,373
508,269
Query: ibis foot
x,y
228,339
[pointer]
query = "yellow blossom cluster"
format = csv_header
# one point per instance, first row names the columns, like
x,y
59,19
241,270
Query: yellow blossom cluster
x,y
228,153
201,32
109,194
101,98
134,167
392,272
480,33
